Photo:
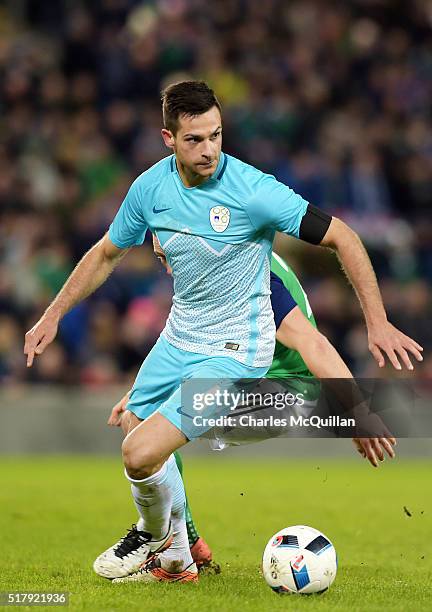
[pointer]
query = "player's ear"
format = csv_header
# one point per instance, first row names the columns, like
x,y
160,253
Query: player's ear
x,y
168,138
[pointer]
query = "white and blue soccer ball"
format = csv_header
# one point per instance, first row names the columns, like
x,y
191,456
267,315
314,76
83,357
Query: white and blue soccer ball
x,y
299,560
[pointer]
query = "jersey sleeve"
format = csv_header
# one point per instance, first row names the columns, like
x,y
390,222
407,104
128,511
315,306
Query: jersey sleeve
x,y
277,206
281,299
129,226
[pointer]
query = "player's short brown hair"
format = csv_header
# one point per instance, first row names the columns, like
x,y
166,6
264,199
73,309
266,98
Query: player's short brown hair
x,y
188,98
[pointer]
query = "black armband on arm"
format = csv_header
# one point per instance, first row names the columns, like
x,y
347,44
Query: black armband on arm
x,y
314,225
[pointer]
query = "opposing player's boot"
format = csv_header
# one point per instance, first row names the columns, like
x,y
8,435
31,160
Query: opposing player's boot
x,y
152,571
129,553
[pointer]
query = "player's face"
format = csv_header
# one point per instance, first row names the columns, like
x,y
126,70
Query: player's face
x,y
197,145
159,252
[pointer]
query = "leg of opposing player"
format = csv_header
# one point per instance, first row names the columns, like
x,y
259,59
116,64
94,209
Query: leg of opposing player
x,y
200,550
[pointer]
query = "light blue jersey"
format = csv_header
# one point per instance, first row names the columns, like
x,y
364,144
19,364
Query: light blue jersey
x,y
217,238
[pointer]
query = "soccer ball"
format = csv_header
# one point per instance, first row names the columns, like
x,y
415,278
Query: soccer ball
x,y
299,560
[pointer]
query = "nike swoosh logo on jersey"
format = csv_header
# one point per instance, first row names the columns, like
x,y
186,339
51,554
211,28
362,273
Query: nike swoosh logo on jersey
x,y
160,210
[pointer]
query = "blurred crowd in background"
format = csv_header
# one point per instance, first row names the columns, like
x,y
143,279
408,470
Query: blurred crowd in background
x,y
334,98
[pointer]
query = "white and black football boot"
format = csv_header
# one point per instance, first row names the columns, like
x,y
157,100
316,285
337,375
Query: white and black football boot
x,y
129,553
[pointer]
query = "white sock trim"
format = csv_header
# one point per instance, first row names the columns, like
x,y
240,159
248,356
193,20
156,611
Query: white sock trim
x,y
157,476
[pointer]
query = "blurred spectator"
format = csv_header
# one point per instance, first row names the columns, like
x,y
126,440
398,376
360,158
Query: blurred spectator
x,y
332,97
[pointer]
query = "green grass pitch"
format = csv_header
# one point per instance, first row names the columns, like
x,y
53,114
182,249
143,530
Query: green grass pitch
x,y
58,514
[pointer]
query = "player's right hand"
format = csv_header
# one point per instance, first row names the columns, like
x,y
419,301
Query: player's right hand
x,y
118,410
372,448
39,336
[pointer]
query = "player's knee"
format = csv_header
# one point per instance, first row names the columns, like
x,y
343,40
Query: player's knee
x,y
139,462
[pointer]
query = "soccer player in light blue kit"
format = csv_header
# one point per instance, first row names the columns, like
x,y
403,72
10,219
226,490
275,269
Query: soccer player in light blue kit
x,y
215,218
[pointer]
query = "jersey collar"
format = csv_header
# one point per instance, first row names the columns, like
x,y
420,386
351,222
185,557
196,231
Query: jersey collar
x,y
216,176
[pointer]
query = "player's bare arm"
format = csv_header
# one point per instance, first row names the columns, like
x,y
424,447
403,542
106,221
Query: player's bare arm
x,y
91,272
320,356
383,337
323,361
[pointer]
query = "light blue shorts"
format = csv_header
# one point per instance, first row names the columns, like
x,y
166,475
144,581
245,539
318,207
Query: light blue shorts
x,y
157,387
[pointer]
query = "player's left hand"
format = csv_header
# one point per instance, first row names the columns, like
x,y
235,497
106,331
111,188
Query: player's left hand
x,y
386,338
116,415
373,448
